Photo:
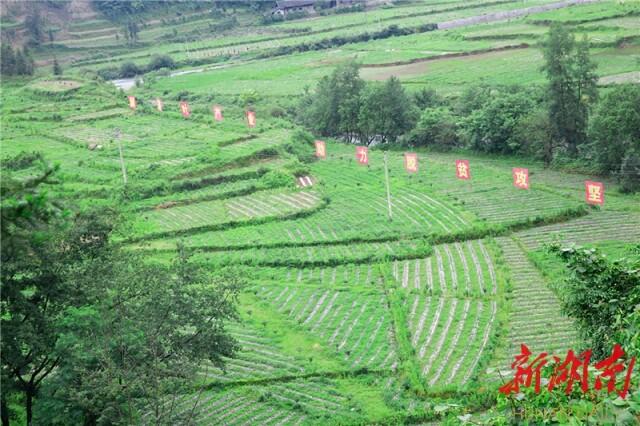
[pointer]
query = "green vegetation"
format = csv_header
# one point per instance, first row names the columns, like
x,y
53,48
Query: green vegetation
x,y
176,270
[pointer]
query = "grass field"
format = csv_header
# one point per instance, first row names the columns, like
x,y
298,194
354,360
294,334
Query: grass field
x,y
350,316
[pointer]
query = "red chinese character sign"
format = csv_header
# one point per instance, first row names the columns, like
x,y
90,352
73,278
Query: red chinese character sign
x,y
251,118
159,104
184,109
217,112
594,192
132,102
520,178
462,169
362,154
610,367
574,369
411,162
321,149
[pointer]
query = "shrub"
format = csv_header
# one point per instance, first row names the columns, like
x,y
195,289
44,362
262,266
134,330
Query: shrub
x,y
278,112
161,61
128,70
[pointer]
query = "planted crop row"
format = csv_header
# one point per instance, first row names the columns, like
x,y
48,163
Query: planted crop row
x,y
460,268
449,336
535,319
209,213
597,226
357,326
319,256
347,274
259,357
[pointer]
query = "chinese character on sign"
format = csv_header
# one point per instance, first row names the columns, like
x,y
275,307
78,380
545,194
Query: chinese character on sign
x,y
411,162
462,169
159,104
611,366
321,150
251,118
520,178
362,154
569,371
184,109
132,102
525,373
217,112
594,192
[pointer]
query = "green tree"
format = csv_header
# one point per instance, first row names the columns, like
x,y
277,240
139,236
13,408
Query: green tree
x,y
385,112
30,287
128,70
57,69
596,291
7,60
615,135
436,127
34,24
492,128
534,136
334,108
427,98
143,339
571,86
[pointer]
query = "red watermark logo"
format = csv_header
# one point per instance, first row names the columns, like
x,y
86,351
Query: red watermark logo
x,y
573,370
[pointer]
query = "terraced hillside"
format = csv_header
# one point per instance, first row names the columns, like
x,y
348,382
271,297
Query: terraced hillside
x,y
350,315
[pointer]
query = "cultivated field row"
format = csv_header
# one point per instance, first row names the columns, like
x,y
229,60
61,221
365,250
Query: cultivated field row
x,y
357,326
535,317
460,268
449,336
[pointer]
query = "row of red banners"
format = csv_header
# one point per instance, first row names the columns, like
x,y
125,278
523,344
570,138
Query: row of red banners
x,y
594,191
250,116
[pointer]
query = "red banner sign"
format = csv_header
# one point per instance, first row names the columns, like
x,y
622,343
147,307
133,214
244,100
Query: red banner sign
x,y
411,162
321,149
362,154
462,169
520,178
159,104
251,118
217,112
184,109
594,192
132,102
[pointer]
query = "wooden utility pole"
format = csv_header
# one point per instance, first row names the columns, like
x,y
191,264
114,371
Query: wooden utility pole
x,y
124,169
386,178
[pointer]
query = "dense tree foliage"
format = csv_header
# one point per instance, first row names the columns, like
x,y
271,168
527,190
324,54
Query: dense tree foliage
x,y
615,135
15,62
345,106
437,127
119,333
596,292
572,86
492,127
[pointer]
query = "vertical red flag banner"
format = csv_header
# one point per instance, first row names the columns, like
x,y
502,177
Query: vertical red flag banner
x,y
362,154
251,118
132,102
462,169
411,162
594,192
520,178
217,112
184,109
159,104
321,149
